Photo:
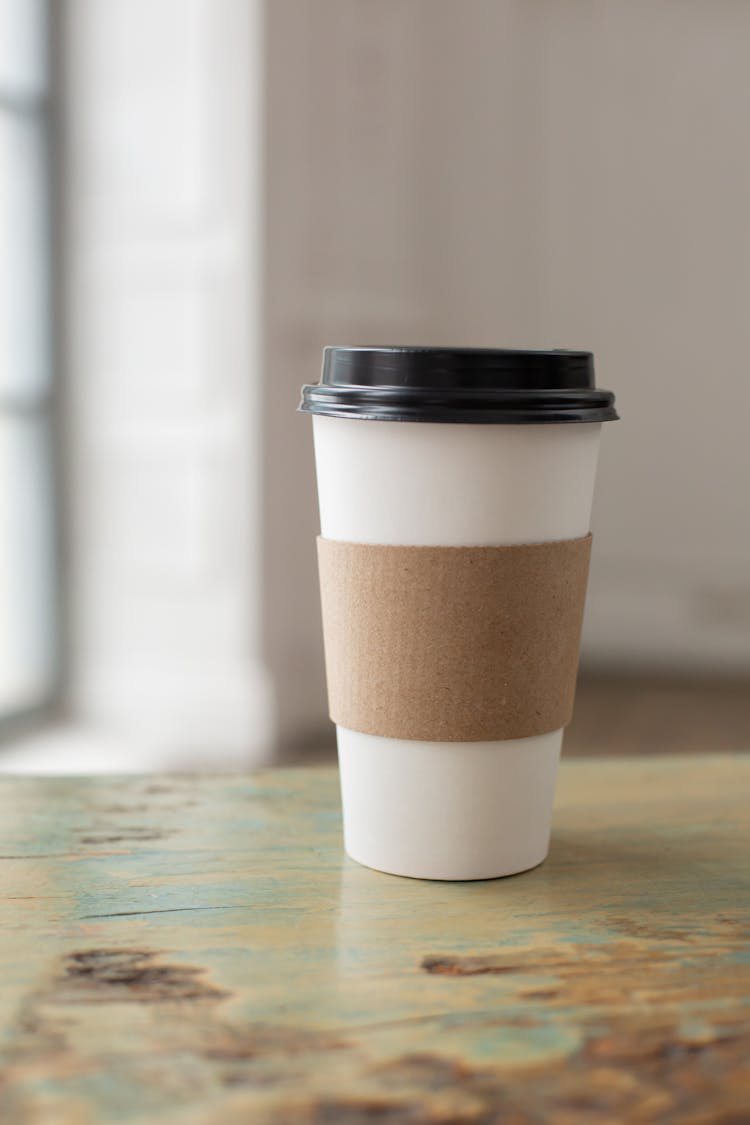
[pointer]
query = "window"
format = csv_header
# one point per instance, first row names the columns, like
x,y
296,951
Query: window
x,y
27,626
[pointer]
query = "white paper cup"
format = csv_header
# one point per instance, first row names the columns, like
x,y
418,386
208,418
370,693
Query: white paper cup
x,y
451,810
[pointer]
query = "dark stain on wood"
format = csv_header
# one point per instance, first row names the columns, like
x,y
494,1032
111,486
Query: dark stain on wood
x,y
632,928
127,835
101,976
369,1112
465,966
611,972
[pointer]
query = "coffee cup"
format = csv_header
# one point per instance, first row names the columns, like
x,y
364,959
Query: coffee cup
x,y
455,490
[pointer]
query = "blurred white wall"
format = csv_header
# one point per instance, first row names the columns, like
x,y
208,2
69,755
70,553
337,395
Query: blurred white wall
x,y
568,173
249,180
163,147
642,243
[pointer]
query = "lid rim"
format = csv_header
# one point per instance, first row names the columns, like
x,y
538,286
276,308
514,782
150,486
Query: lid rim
x,y
468,417
475,385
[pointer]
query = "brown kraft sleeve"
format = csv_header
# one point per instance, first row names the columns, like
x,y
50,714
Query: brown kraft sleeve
x,y
452,644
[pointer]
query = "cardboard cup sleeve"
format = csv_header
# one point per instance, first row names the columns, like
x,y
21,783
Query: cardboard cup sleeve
x,y
452,644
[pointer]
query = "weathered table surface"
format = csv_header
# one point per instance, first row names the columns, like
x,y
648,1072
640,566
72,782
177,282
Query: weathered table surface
x,y
200,950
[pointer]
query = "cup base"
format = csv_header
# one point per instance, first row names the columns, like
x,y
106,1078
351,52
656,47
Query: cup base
x,y
447,810
426,876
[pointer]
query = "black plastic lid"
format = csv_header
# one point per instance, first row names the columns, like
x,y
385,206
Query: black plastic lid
x,y
458,385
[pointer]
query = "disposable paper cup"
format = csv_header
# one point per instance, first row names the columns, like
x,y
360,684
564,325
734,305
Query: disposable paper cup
x,y
453,810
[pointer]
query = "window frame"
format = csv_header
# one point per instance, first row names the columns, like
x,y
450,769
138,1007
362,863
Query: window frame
x,y
45,107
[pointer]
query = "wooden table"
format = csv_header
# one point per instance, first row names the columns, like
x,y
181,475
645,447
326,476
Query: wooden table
x,y
199,949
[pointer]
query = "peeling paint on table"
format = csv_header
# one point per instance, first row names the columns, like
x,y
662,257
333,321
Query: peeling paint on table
x,y
199,949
